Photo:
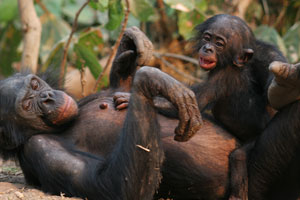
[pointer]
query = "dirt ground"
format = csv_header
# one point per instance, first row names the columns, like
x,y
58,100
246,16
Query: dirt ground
x,y
13,187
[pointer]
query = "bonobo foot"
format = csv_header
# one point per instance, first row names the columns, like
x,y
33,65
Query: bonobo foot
x,y
285,87
121,100
135,50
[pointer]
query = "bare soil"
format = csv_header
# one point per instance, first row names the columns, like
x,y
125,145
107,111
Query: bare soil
x,y
13,186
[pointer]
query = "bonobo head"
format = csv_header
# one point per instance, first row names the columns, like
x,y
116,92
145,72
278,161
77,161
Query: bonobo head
x,y
28,105
224,40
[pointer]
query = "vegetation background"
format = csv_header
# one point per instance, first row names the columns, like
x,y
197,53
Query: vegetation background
x,y
168,23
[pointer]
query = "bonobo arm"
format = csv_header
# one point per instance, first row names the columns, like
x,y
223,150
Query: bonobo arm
x,y
135,50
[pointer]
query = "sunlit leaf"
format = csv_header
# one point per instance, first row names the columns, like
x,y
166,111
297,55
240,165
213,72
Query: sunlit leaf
x,y
92,39
9,43
8,10
292,42
269,34
115,14
141,9
55,57
200,5
87,15
100,5
53,30
85,57
182,5
187,22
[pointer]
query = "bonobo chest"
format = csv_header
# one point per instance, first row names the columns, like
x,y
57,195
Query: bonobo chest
x,y
100,121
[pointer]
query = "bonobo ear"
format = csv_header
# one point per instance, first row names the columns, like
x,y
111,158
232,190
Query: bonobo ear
x,y
243,58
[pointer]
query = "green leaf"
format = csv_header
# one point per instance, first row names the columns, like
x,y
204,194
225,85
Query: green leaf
x,y
187,22
115,14
100,5
200,6
141,9
292,42
55,57
269,34
182,5
53,30
9,44
86,17
8,10
91,38
85,57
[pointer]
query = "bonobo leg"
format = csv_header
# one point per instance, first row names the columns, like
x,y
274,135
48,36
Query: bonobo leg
x,y
284,89
132,170
238,172
273,165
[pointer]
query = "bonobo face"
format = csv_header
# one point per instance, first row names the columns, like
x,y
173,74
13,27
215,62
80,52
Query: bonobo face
x,y
224,40
31,102
211,44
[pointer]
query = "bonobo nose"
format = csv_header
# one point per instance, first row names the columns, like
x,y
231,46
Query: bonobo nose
x,y
47,96
208,48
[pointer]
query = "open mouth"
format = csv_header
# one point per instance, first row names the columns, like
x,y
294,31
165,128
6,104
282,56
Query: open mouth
x,y
207,63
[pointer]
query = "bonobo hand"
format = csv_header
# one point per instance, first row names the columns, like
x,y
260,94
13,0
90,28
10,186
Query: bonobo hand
x,y
285,87
157,83
121,100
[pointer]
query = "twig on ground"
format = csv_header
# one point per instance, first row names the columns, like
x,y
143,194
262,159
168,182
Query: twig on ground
x,y
74,27
116,46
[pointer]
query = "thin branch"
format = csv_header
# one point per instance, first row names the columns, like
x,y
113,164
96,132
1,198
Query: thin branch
x,y
43,7
181,57
116,46
82,78
74,27
171,66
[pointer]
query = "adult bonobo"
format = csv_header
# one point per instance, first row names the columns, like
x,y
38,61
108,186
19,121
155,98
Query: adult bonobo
x,y
85,149
40,125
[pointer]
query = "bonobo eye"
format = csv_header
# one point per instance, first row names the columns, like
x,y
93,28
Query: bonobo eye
x,y
26,105
34,84
206,37
220,44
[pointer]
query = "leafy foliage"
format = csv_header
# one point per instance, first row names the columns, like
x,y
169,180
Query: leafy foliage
x,y
99,26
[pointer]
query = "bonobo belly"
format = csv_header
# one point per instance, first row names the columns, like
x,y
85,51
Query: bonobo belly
x,y
197,168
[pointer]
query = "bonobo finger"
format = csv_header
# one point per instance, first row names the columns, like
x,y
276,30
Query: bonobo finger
x,y
195,120
122,106
191,121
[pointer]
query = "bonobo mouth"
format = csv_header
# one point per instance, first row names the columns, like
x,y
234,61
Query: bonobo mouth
x,y
67,111
207,63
